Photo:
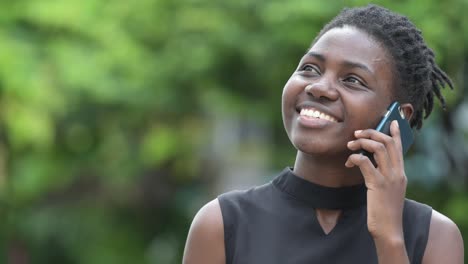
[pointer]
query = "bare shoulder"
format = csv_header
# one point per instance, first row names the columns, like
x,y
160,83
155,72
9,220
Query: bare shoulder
x,y
205,241
445,243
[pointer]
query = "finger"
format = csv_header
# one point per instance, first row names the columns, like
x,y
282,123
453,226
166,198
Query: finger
x,y
396,135
388,141
378,149
369,172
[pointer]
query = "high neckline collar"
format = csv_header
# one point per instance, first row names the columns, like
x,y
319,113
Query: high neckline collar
x,y
318,196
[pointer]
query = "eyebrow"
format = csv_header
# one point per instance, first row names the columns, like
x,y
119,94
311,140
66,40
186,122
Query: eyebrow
x,y
347,64
316,55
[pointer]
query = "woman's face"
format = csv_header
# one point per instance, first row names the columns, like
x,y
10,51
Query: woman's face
x,y
344,83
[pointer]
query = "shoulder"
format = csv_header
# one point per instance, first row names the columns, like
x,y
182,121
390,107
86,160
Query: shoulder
x,y
205,241
445,243
417,217
240,200
414,207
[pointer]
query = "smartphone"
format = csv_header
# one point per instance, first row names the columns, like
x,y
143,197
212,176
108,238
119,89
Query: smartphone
x,y
394,112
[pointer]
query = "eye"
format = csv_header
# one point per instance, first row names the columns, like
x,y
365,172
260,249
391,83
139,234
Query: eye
x,y
310,69
355,81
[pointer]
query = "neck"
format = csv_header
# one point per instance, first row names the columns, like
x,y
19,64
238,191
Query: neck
x,y
328,171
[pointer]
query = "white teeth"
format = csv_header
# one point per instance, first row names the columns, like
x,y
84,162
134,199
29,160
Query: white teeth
x,y
317,114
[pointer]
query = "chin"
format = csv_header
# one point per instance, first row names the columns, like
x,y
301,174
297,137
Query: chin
x,y
319,146
311,146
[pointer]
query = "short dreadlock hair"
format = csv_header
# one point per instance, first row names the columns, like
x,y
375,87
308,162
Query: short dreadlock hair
x,y
419,78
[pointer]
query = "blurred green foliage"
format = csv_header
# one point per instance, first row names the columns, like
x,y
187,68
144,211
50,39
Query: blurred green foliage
x,y
105,113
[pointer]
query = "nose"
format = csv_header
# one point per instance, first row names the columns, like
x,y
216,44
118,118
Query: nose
x,y
322,89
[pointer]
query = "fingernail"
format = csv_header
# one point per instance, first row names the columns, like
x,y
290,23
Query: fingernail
x,y
397,125
357,132
350,142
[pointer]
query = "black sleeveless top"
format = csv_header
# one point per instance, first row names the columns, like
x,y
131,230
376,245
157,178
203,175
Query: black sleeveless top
x,y
276,224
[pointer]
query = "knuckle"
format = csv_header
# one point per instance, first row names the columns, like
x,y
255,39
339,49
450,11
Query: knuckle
x,y
388,140
404,179
400,179
362,159
380,147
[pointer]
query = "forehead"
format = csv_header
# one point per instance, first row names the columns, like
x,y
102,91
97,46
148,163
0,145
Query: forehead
x,y
351,44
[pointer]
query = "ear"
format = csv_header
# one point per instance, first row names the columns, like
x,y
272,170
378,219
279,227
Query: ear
x,y
408,110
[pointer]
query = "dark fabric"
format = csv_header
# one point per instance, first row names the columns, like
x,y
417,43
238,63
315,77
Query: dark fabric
x,y
318,196
276,224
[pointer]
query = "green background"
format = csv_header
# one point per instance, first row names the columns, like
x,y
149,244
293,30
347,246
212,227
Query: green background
x,y
109,116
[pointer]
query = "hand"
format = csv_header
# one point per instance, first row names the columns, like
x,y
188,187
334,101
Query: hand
x,y
386,183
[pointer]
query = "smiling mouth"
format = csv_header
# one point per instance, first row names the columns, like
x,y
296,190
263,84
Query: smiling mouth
x,y
312,113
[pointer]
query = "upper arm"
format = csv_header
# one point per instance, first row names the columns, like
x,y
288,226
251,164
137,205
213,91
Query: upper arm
x,y
205,241
445,243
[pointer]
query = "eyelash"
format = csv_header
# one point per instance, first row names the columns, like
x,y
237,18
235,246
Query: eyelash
x,y
356,82
309,68
354,78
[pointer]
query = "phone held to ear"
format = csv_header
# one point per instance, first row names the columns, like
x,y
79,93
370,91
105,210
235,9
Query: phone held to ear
x,y
394,112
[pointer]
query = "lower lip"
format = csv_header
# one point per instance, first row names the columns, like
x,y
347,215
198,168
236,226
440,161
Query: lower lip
x,y
313,122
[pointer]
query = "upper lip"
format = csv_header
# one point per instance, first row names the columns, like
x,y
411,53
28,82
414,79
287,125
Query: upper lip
x,y
317,107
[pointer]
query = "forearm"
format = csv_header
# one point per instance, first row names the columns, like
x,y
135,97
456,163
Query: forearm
x,y
391,251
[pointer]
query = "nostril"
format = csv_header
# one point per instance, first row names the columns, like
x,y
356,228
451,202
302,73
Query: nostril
x,y
322,90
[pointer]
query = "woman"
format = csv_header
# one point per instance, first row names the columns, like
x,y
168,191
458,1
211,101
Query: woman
x,y
336,205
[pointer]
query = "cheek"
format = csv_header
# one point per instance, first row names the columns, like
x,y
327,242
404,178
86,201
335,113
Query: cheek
x,y
292,89
289,95
288,87
367,113
361,114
